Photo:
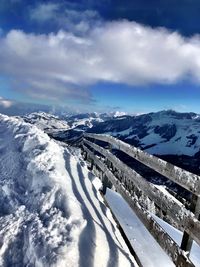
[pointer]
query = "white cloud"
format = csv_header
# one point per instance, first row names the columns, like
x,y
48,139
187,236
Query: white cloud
x,y
44,11
62,65
5,103
65,16
119,113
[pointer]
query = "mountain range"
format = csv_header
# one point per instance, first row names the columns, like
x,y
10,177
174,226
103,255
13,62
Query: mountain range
x,y
160,133
168,134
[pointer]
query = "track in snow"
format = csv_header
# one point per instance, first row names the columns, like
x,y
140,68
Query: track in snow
x,y
98,229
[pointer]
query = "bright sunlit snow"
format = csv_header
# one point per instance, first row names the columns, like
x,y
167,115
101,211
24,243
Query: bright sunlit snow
x,y
145,246
50,213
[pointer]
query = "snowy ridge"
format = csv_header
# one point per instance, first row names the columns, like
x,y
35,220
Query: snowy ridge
x,y
67,126
46,121
50,213
84,121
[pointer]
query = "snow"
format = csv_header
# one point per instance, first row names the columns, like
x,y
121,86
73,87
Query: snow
x,y
145,131
152,138
50,212
145,246
163,189
179,144
46,121
140,238
121,133
177,236
85,122
119,114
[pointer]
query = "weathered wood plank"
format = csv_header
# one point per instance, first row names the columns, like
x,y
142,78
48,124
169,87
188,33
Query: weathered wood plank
x,y
184,178
187,241
175,209
164,240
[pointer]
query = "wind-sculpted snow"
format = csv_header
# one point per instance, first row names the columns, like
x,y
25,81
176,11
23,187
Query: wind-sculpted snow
x,y
50,213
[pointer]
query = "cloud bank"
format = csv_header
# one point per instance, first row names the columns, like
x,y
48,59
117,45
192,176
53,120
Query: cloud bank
x,y
43,12
5,103
62,65
68,16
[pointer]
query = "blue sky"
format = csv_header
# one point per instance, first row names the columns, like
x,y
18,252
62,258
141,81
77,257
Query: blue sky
x,y
134,56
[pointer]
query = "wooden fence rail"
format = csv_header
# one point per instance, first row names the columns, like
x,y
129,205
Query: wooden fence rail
x,y
137,192
169,204
184,178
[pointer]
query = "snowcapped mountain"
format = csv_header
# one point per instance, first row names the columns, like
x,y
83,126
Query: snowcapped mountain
x,y
88,120
66,127
160,133
46,121
84,121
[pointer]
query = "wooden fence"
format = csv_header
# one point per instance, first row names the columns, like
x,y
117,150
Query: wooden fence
x,y
138,192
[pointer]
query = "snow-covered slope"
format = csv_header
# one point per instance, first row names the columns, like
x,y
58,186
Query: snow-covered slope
x,y
161,133
50,214
83,121
140,238
88,120
46,121
66,127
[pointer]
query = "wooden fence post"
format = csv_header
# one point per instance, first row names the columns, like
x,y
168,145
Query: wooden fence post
x,y
85,156
105,184
186,243
92,165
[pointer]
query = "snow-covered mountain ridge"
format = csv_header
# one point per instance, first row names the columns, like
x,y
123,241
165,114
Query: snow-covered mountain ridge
x,y
46,218
35,208
79,122
46,121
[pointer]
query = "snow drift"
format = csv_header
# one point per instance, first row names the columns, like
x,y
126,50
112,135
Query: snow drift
x,y
50,214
